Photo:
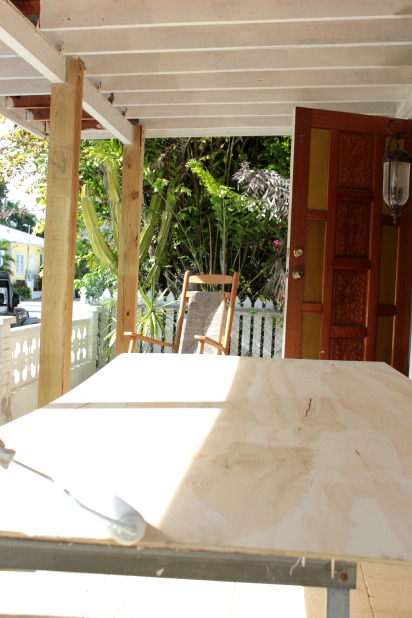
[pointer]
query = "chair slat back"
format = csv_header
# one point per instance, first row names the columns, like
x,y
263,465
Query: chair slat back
x,y
205,316
209,316
219,327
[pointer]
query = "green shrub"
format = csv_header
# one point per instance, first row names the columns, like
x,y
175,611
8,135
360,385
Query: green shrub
x,y
22,289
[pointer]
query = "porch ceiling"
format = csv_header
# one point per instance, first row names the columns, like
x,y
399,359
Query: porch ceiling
x,y
206,67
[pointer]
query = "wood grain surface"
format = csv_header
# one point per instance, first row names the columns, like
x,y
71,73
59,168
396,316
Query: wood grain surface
x,y
285,457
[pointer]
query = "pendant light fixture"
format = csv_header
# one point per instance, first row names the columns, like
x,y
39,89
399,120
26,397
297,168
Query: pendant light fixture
x,y
396,174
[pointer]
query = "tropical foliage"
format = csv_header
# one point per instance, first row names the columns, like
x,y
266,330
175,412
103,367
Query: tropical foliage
x,y
13,214
210,204
22,289
6,258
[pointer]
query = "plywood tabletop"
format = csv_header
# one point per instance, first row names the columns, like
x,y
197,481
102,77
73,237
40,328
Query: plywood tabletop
x,y
284,457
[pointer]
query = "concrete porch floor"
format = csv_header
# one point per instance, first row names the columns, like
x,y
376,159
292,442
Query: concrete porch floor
x,y
382,592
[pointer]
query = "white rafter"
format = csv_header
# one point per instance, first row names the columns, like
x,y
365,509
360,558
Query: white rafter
x,y
208,67
21,36
25,40
391,31
149,13
19,116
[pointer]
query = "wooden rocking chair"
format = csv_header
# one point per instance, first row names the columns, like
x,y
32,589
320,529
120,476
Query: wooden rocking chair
x,y
209,317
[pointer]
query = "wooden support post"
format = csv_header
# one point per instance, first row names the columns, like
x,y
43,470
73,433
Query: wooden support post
x,y
129,238
60,234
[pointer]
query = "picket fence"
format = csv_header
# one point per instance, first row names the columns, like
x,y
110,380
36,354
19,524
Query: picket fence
x,y
257,328
257,331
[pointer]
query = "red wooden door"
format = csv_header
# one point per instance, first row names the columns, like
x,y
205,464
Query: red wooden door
x,y
350,267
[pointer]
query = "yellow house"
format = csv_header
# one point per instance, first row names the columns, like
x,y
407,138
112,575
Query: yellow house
x,y
27,252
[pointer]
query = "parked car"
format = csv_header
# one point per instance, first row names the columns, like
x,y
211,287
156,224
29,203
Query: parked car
x,y
9,302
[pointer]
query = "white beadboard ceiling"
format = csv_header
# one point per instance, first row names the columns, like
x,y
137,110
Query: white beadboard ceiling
x,y
206,67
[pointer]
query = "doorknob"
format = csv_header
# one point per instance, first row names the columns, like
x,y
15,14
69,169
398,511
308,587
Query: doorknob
x,y
297,252
297,274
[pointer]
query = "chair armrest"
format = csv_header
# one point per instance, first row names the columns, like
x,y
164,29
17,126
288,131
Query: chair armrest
x,y
203,340
139,337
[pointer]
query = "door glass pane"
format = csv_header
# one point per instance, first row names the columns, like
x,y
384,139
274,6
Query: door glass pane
x,y
384,337
310,335
387,266
315,241
318,169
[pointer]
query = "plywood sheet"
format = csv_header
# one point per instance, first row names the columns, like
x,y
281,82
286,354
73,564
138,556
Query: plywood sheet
x,y
286,457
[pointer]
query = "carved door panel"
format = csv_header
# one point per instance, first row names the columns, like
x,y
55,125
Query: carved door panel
x,y
350,266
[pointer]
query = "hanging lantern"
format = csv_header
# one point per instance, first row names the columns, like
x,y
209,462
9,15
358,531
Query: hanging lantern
x,y
396,178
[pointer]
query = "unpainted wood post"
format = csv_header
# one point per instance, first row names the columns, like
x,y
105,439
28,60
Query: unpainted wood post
x,y
60,234
129,238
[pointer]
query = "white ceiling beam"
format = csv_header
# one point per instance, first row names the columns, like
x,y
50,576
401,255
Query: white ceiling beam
x,y
194,132
263,95
234,37
204,123
95,134
251,60
25,40
10,67
210,67
105,113
228,131
21,87
211,131
268,125
241,126
262,79
83,13
233,110
124,99
6,52
19,116
404,109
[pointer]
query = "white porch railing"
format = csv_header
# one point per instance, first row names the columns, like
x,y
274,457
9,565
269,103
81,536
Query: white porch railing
x,y
257,331
19,364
